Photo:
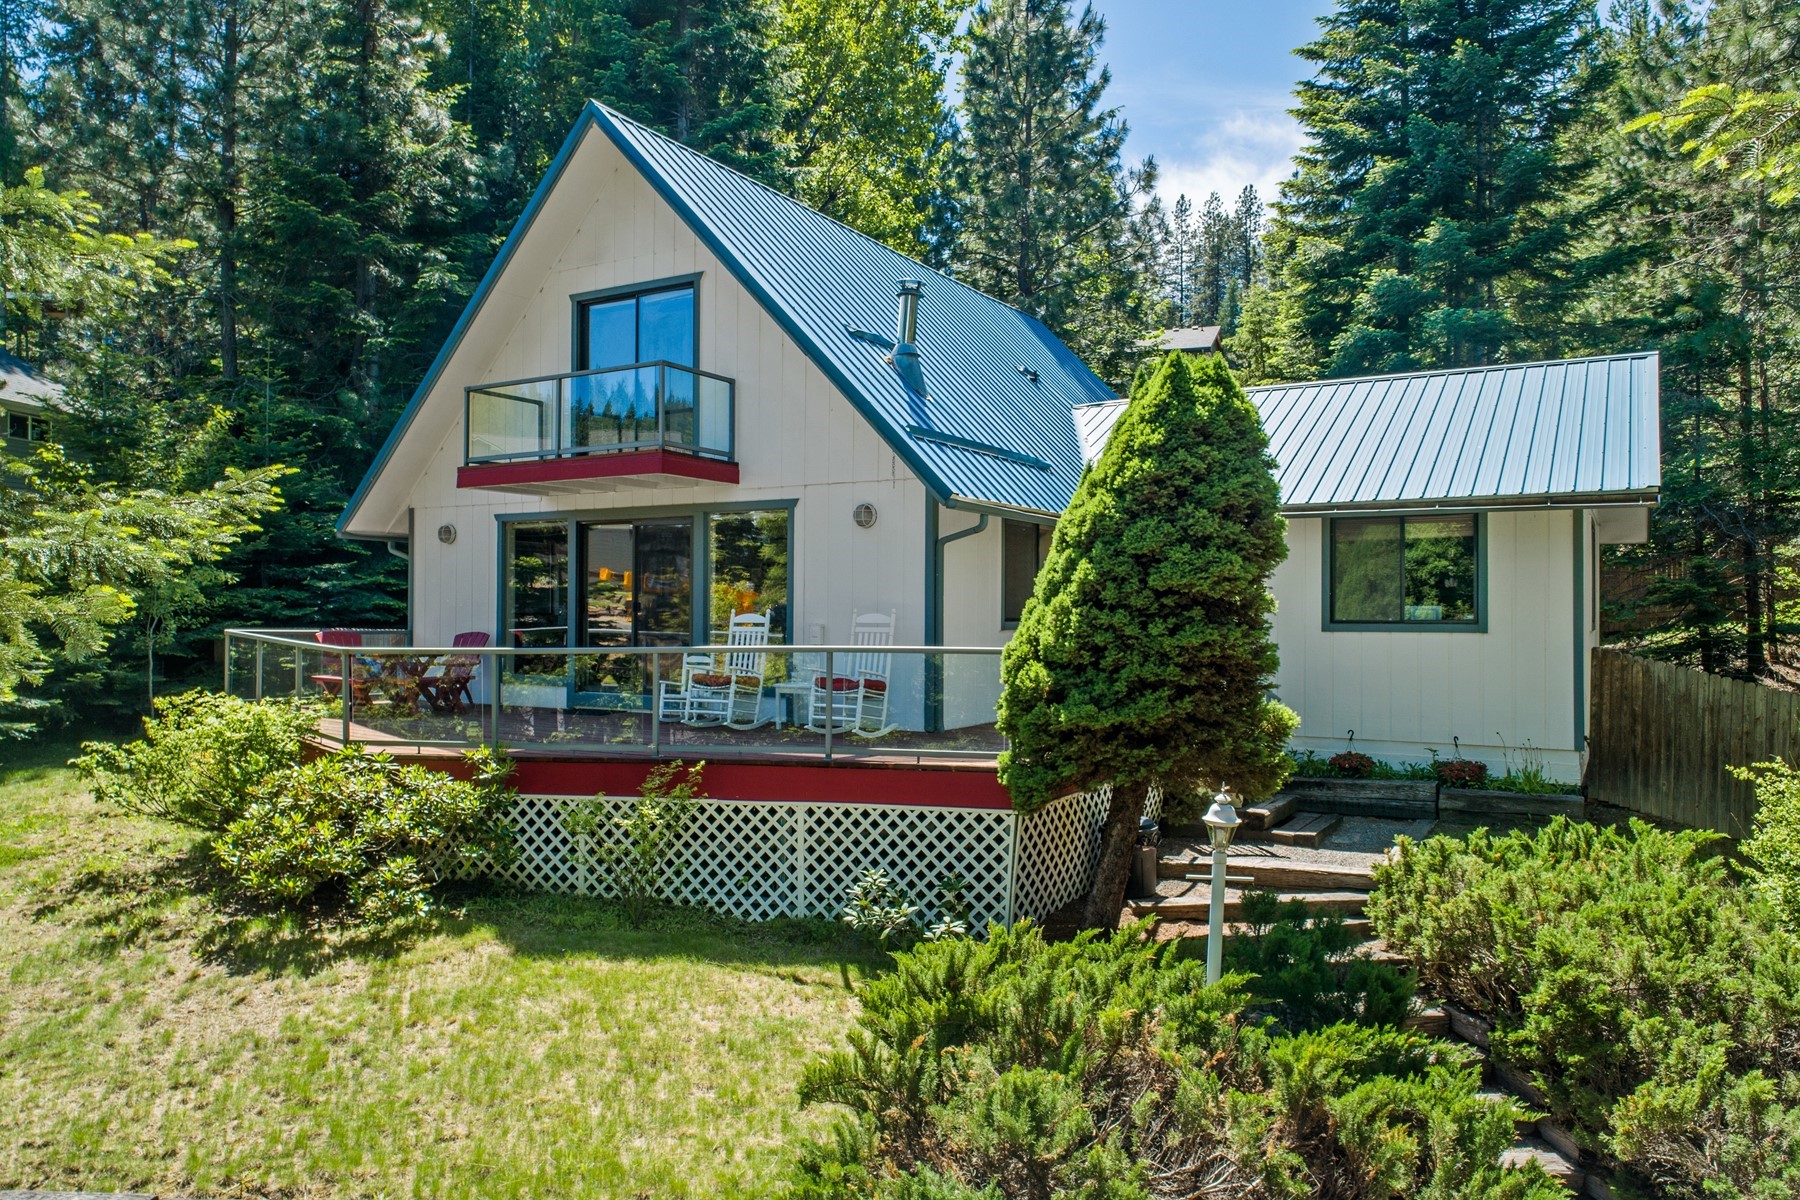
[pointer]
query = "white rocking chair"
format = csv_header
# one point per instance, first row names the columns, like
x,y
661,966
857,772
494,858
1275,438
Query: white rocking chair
x,y
730,692
855,698
673,696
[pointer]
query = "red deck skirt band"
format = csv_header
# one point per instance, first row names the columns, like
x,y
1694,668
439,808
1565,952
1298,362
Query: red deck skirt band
x,y
835,783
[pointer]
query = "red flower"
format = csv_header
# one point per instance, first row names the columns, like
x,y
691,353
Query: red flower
x,y
1352,765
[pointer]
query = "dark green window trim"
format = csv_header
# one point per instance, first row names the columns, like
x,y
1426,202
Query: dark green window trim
x,y
1478,625
701,557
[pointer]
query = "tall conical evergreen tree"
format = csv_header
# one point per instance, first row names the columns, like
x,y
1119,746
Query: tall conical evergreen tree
x,y
1042,205
1143,657
1425,201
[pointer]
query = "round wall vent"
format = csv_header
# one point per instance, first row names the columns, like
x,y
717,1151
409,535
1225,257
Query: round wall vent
x,y
446,534
864,516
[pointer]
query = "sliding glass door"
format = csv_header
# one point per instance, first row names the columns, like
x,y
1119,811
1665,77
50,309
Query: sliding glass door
x,y
638,582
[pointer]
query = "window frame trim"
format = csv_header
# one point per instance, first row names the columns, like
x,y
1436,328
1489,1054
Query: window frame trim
x,y
1329,540
578,302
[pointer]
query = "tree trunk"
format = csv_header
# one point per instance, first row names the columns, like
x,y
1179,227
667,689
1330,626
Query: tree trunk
x,y
1106,899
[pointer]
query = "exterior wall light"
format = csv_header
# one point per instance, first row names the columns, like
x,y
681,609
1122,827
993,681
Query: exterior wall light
x,y
447,534
864,516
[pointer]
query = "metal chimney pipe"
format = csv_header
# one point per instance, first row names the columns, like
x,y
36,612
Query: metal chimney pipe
x,y
909,312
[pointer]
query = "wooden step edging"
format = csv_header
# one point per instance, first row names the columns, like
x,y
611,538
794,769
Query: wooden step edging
x,y
1546,1141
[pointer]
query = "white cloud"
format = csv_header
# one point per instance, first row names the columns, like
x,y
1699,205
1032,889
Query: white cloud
x,y
1243,146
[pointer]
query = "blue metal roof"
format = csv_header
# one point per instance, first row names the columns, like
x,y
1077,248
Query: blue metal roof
x,y
1545,432
986,430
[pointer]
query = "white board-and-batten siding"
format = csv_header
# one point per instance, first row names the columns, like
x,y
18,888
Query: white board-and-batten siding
x,y
1506,696
798,439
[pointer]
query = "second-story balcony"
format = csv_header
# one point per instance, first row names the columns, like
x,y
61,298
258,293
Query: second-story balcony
x,y
655,422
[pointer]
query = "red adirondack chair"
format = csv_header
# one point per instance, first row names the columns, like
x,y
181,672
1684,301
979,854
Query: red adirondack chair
x,y
359,675
445,684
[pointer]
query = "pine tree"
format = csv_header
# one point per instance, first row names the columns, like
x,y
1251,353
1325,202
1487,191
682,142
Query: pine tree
x,y
1143,657
863,110
1424,204
1042,205
1706,266
1212,261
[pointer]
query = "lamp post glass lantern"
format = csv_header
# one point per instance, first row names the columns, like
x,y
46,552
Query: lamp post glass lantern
x,y
1222,824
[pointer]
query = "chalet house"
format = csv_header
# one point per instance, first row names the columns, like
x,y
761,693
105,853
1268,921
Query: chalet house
x,y
681,403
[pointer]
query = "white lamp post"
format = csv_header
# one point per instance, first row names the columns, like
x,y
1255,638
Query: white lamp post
x,y
1222,822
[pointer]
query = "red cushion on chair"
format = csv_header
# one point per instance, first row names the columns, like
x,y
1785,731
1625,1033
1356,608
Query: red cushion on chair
x,y
712,680
874,685
838,683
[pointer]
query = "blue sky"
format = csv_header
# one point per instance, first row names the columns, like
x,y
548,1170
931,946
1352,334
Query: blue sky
x,y
1205,86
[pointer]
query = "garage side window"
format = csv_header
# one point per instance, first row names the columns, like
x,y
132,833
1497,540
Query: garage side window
x,y
1025,547
1406,571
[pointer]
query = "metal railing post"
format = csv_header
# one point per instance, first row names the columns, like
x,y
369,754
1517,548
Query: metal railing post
x,y
299,673
830,703
345,689
260,647
494,700
662,406
228,662
654,703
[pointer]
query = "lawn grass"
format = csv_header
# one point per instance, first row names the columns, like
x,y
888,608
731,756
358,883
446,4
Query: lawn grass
x,y
524,1046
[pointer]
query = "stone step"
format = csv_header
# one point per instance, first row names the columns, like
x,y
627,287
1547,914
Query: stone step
x,y
1168,929
1194,907
1269,871
1531,1148
1305,829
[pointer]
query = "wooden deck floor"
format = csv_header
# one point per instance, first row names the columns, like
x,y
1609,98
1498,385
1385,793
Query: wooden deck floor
x,y
616,736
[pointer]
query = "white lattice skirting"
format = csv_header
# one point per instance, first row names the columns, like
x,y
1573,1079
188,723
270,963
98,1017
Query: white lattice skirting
x,y
763,858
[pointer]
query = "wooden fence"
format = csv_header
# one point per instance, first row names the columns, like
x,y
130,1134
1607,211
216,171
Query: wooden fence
x,y
1662,738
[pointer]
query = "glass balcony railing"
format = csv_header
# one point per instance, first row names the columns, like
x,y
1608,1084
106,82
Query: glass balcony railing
x,y
644,406
900,704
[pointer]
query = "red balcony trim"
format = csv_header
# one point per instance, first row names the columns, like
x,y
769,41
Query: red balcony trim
x,y
596,466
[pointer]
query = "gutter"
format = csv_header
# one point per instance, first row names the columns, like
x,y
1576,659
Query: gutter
x,y
1648,498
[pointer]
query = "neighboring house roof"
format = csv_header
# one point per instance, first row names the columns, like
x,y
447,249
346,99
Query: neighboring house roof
x,y
1194,338
1545,432
23,387
994,427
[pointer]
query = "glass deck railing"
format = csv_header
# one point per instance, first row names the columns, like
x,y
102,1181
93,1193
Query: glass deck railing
x,y
900,703
645,406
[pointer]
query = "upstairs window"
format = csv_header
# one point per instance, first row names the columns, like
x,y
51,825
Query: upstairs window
x,y
22,427
649,326
1024,548
1406,571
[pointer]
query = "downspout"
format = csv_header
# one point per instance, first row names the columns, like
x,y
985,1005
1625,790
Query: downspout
x,y
934,608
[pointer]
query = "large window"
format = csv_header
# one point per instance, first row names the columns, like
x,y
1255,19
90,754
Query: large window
x,y
617,331
1024,548
1406,571
641,579
537,584
749,557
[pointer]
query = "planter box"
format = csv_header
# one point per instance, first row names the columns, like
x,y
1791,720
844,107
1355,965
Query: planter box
x,y
1401,798
1480,802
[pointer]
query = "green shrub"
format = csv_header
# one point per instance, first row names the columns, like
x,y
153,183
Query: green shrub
x,y
201,757
1773,847
365,830
1654,1000
637,850
1108,1069
1304,970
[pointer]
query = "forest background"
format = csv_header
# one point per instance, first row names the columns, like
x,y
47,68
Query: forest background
x,y
309,190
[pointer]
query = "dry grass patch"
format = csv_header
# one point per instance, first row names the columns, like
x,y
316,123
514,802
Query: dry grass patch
x,y
524,1046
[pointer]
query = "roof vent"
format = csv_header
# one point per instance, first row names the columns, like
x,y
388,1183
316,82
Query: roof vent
x,y
906,355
